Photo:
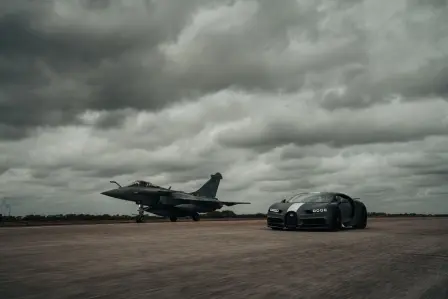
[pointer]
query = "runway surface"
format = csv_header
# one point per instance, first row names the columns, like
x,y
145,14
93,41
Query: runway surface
x,y
392,258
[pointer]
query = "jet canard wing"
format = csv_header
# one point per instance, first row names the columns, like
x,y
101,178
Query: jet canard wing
x,y
153,191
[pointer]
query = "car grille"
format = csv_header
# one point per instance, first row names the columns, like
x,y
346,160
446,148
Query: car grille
x,y
277,222
291,219
314,222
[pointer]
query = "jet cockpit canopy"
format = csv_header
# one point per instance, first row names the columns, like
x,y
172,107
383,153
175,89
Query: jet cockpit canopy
x,y
141,183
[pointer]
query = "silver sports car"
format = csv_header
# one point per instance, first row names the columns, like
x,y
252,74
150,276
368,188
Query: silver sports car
x,y
332,210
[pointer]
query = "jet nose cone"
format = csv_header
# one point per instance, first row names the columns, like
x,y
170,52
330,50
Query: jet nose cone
x,y
111,193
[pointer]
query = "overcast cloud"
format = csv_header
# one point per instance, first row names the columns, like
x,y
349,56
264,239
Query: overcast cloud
x,y
278,96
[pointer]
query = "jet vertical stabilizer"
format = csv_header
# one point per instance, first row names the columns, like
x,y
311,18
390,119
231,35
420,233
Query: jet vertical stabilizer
x,y
210,188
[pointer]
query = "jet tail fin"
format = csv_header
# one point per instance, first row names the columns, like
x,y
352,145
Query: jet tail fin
x,y
210,188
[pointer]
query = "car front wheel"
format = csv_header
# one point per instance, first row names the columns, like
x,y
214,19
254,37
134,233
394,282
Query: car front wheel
x,y
336,221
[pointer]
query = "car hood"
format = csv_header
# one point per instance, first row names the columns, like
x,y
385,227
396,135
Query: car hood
x,y
297,206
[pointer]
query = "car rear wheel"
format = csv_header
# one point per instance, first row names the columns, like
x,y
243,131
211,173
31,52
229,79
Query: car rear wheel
x,y
363,221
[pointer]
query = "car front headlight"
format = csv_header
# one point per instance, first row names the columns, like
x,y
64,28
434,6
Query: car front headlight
x,y
274,210
320,210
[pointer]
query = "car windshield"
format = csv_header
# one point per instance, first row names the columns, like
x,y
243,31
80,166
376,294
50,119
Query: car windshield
x,y
311,197
141,184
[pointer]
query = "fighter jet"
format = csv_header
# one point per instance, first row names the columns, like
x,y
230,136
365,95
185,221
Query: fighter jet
x,y
171,203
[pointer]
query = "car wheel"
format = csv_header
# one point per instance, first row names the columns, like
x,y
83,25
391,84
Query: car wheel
x,y
363,221
336,221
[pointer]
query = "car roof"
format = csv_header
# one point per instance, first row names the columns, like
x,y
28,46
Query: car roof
x,y
324,192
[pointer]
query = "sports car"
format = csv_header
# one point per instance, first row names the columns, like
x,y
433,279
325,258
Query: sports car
x,y
331,210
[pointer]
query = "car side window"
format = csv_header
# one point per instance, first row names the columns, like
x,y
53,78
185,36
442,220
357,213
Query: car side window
x,y
339,199
343,200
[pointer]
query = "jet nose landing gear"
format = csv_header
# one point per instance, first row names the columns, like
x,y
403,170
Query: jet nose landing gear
x,y
140,216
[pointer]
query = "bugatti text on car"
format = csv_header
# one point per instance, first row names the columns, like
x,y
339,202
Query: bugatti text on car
x,y
332,210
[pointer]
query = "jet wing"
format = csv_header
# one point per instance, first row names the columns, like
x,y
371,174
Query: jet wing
x,y
193,198
190,197
233,203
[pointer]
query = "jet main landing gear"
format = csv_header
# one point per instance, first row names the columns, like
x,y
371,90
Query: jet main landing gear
x,y
196,217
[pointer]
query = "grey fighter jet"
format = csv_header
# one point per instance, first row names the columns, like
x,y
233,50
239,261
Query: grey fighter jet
x,y
172,203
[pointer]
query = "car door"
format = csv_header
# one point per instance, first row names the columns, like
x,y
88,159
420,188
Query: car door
x,y
345,207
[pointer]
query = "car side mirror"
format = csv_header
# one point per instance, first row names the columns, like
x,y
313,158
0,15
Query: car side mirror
x,y
283,201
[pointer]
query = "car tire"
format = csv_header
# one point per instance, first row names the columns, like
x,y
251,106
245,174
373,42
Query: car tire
x,y
363,220
336,221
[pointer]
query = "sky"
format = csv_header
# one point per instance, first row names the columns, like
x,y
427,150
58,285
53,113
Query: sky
x,y
279,97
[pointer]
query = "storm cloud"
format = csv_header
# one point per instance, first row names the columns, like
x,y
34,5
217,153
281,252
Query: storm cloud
x,y
279,97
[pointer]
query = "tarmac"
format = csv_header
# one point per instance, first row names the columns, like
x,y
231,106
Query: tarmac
x,y
391,258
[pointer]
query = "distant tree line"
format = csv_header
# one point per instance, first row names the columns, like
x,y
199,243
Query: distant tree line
x,y
211,215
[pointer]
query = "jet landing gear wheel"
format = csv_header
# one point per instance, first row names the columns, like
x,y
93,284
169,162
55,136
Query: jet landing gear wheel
x,y
140,216
173,218
196,217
